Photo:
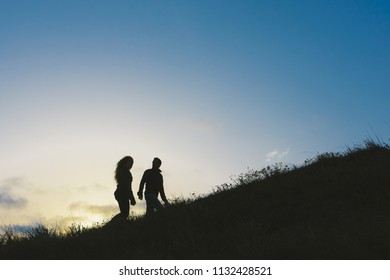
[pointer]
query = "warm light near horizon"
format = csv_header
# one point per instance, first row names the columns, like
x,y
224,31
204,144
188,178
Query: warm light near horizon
x,y
212,90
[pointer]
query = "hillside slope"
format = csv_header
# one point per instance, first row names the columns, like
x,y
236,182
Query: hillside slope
x,y
335,207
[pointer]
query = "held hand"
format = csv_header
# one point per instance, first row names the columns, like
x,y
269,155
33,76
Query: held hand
x,y
132,201
140,196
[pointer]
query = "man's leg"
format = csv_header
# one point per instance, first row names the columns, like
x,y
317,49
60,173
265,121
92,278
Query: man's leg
x,y
152,203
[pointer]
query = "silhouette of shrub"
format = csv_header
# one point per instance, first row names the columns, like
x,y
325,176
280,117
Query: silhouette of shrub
x,y
75,230
253,176
8,235
41,232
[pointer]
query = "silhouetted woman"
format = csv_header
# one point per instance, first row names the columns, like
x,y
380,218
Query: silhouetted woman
x,y
123,192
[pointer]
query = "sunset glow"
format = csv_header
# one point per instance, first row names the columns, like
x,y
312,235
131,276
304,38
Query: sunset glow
x,y
210,87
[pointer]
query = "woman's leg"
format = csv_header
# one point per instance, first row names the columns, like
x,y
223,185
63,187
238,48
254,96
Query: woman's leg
x,y
124,207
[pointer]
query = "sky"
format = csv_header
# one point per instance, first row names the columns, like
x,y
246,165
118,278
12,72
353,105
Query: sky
x,y
213,88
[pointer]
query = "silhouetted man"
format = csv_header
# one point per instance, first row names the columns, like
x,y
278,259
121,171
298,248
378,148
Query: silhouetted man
x,y
154,186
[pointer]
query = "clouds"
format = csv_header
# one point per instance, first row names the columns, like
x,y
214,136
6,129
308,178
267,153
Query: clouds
x,y
95,187
104,210
17,228
7,198
202,125
23,202
277,155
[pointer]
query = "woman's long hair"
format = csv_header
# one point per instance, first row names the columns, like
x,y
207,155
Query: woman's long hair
x,y
121,167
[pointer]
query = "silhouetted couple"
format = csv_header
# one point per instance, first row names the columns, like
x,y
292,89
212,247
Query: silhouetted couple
x,y
154,187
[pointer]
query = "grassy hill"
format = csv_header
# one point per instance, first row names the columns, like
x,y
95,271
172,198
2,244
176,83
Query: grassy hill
x,y
335,206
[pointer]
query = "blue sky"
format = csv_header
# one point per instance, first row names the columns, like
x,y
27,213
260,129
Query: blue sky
x,y
210,87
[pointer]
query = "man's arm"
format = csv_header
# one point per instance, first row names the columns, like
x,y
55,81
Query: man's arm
x,y
162,192
141,186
